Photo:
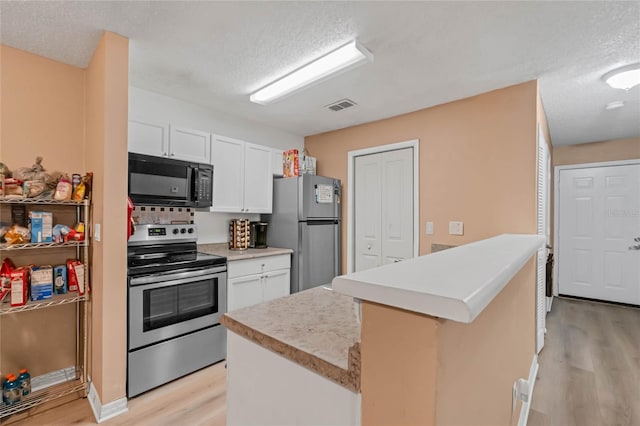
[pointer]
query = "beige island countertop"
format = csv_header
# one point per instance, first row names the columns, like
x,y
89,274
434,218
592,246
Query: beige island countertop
x,y
317,329
222,249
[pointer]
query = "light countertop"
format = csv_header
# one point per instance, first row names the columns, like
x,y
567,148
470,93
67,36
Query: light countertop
x,y
455,284
222,249
317,329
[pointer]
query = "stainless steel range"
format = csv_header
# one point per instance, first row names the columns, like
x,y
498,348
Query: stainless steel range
x,y
176,298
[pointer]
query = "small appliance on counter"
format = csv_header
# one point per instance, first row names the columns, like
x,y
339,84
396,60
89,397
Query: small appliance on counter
x,y
239,234
258,235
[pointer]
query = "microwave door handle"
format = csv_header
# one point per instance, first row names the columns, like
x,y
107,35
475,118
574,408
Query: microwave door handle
x,y
195,182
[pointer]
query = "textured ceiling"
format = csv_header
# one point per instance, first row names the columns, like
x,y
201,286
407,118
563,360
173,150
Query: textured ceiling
x,y
426,53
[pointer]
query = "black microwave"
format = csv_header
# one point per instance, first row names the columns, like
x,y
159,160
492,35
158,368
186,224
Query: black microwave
x,y
157,181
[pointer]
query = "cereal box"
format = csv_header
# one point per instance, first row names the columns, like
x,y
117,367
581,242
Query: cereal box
x,y
41,282
290,163
41,224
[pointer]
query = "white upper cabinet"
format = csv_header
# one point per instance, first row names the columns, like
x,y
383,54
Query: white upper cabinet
x,y
227,157
149,138
258,181
163,140
242,179
276,161
190,145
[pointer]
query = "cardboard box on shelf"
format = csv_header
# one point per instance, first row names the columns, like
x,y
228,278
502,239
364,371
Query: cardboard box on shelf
x,y
41,224
291,163
19,286
41,282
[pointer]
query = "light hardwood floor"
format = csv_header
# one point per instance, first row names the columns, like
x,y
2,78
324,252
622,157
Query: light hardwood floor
x,y
589,376
197,399
589,371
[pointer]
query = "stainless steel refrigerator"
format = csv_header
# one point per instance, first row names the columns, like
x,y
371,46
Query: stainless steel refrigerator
x,y
306,219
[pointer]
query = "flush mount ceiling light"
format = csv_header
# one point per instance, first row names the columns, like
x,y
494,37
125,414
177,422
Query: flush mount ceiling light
x,y
344,58
623,78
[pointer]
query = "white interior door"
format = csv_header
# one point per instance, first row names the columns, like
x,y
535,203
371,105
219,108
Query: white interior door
x,y
384,208
368,224
599,218
397,205
543,180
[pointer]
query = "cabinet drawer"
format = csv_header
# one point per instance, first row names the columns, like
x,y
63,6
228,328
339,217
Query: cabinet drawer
x,y
258,265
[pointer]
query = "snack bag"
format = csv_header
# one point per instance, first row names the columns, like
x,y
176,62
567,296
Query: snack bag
x,y
63,190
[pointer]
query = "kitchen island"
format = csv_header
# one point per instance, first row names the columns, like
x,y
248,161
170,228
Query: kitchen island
x,y
443,339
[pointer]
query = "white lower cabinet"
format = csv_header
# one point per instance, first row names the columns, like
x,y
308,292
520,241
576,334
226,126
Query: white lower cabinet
x,y
257,280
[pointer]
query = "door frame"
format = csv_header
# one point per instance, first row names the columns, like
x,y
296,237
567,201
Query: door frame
x,y
556,207
413,143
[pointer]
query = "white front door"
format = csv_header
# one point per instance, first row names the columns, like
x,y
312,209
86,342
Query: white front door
x,y
599,218
383,208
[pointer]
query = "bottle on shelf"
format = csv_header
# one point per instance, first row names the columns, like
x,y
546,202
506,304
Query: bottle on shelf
x,y
10,390
24,382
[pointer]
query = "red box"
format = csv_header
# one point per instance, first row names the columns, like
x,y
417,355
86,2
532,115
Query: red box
x,y
19,286
291,163
71,274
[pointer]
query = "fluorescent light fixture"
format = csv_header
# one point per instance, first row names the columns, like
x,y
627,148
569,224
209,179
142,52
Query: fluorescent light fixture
x,y
342,59
623,78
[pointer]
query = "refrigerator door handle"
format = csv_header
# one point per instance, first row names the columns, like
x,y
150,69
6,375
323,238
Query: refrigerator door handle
x,y
338,243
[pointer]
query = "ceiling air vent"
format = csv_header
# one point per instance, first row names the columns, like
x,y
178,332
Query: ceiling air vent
x,y
341,104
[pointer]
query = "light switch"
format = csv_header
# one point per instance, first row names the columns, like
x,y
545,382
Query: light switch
x,y
429,228
456,228
96,232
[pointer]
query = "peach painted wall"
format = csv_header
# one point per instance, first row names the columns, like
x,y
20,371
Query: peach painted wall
x,y
41,113
595,152
477,162
479,362
399,359
421,370
107,115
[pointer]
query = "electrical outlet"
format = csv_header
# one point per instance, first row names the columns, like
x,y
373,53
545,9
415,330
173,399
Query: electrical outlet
x,y
456,228
429,228
96,232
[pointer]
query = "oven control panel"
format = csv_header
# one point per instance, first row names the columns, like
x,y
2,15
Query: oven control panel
x,y
163,233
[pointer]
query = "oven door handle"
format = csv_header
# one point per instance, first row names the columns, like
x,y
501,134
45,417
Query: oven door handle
x,y
170,279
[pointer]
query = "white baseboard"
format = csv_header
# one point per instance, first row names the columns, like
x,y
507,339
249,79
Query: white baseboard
x,y
524,410
53,378
107,411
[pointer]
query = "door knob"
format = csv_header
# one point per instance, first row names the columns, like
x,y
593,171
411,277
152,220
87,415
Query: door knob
x,y
636,247
368,246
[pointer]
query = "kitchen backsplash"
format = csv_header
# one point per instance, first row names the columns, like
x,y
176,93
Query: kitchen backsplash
x,y
162,215
214,227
